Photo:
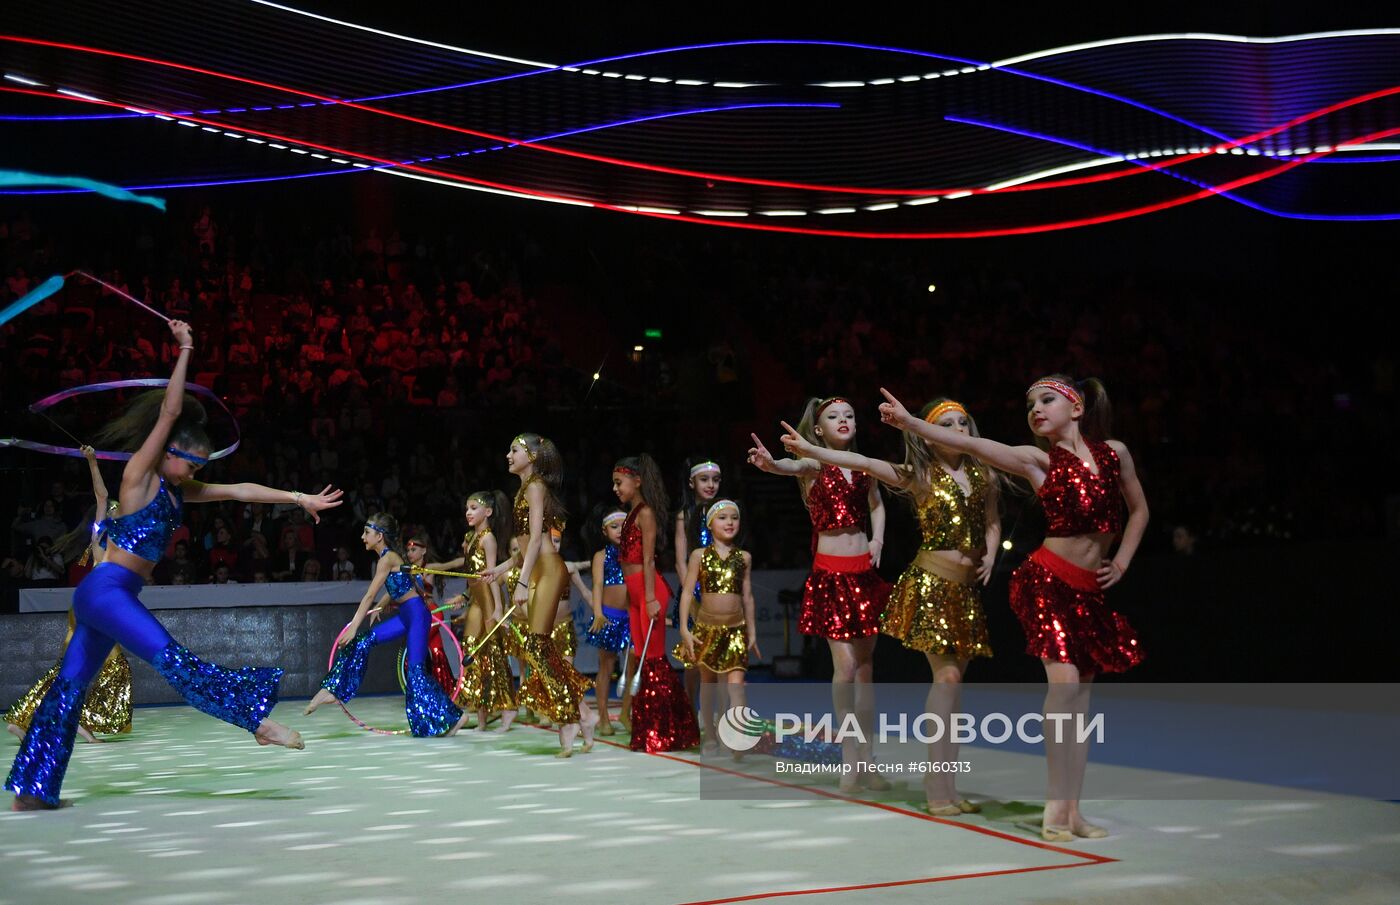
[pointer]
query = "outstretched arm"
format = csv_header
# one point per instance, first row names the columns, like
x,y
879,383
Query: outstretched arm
x,y
879,469
144,461
313,503
1029,462
763,460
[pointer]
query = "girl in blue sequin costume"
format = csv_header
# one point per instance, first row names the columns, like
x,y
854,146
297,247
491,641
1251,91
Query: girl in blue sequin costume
x,y
430,711
699,490
156,482
610,632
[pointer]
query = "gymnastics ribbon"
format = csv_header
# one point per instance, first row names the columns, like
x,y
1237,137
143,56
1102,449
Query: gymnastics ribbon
x,y
112,455
31,298
115,192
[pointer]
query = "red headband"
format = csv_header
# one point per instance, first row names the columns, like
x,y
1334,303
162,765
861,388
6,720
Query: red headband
x,y
822,406
1063,389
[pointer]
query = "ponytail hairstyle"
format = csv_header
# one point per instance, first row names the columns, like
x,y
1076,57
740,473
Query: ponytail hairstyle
x,y
691,515
549,465
387,525
131,428
1097,421
811,412
653,491
499,523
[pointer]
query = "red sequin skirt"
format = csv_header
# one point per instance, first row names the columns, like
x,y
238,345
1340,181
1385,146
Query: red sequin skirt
x,y
662,718
1063,614
843,598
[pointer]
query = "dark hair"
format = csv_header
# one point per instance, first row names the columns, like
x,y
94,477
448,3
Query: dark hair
x,y
389,527
691,515
1097,421
653,491
549,465
131,428
501,518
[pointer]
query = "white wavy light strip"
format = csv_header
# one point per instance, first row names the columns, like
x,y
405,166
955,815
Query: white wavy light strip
x,y
392,170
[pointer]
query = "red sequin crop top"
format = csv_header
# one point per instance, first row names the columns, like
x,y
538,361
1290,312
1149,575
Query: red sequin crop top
x,y
629,551
834,502
1076,500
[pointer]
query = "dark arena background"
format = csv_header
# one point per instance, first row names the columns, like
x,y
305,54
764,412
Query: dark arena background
x,y
403,235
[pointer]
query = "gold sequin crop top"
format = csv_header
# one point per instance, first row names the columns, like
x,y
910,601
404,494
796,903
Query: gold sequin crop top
x,y
521,511
721,575
950,519
476,555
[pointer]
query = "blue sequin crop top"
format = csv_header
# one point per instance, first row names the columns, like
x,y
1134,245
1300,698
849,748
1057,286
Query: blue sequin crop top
x,y
397,583
612,569
146,532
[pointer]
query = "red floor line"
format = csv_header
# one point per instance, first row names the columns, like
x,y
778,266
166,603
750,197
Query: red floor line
x,y
885,885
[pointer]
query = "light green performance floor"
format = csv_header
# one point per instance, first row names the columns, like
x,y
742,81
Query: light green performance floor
x,y
188,810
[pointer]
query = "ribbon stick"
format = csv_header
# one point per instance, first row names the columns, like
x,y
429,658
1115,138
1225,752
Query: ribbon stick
x,y
419,570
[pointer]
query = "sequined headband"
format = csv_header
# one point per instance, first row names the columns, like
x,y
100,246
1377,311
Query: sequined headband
x,y
187,456
617,516
1063,389
944,408
381,529
719,507
703,467
623,469
830,400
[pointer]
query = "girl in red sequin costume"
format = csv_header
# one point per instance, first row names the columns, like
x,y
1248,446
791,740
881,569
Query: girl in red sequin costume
x,y
1082,478
844,595
662,718
936,606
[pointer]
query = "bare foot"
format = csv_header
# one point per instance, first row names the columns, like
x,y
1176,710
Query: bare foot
x,y
15,730
589,722
271,732
507,717
567,733
322,697
34,803
456,728
87,736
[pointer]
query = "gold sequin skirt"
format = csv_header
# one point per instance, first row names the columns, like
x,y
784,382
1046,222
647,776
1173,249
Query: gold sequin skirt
x,y
936,608
107,707
565,638
488,684
552,686
718,648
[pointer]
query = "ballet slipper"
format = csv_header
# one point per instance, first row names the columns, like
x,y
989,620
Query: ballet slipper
x,y
587,726
969,807
322,697
1086,830
942,810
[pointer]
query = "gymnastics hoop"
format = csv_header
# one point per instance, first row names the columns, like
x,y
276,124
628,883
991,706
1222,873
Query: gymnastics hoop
x,y
361,723
49,402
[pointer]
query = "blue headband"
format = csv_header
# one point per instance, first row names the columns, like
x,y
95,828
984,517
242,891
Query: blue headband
x,y
384,531
188,457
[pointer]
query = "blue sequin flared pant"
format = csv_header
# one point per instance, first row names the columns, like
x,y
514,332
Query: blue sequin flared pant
x,y
109,612
430,711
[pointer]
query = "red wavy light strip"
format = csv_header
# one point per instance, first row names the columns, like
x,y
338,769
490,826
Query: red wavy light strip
x,y
1099,177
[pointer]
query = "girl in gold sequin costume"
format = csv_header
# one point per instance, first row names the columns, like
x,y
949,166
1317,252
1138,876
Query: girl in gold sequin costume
x,y
724,630
488,686
107,706
553,687
936,607
1083,481
564,636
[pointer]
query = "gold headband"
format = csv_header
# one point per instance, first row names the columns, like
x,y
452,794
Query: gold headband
x,y
944,408
719,507
1063,389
